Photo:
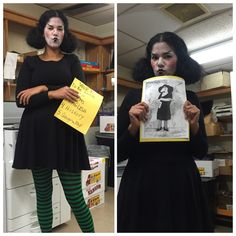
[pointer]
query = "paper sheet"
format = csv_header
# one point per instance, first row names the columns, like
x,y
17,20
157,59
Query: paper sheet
x,y
165,96
10,66
80,114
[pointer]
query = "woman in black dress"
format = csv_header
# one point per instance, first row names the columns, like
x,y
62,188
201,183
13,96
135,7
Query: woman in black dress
x,y
45,143
163,111
161,189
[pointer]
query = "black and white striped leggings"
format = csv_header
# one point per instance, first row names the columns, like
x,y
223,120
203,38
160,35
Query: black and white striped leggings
x,y
71,183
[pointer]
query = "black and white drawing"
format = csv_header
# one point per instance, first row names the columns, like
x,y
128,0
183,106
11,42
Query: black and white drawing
x,y
165,96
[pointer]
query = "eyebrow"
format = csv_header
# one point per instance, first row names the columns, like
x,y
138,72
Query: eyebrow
x,y
60,26
163,53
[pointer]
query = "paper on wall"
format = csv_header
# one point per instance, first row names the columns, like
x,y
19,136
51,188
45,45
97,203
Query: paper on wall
x,y
10,66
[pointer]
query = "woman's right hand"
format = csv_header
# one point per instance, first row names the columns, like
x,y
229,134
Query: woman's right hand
x,y
137,114
64,93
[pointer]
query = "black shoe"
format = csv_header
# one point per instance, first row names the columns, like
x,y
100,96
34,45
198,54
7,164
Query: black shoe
x,y
166,129
158,129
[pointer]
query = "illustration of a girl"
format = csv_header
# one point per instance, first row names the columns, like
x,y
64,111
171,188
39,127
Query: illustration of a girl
x,y
163,112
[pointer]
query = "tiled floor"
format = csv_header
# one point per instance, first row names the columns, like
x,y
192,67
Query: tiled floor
x,y
103,217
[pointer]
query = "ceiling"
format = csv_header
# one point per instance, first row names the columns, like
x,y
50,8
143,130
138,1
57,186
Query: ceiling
x,y
93,14
137,23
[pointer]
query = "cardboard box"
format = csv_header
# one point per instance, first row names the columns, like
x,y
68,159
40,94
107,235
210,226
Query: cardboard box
x,y
207,168
97,162
215,80
224,162
95,200
107,124
94,189
94,176
225,170
212,128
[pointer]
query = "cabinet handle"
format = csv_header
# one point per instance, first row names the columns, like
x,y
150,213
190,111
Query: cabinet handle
x,y
35,225
33,215
32,192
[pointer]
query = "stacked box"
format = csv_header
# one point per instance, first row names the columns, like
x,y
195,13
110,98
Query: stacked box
x,y
95,200
107,124
216,80
89,65
207,168
93,182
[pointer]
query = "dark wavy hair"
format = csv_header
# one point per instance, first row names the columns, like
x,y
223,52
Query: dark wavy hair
x,y
187,68
35,37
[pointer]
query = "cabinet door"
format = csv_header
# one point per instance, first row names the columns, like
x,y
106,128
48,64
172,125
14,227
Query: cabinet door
x,y
22,200
16,178
19,222
32,228
29,219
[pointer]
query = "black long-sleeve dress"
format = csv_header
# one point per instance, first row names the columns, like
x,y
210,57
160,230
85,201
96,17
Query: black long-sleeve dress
x,y
160,190
163,112
43,140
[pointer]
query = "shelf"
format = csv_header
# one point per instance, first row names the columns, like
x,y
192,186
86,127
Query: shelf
x,y
90,71
222,136
128,83
107,90
9,84
225,119
224,212
210,93
108,71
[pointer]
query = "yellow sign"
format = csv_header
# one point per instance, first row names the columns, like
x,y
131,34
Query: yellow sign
x,y
81,113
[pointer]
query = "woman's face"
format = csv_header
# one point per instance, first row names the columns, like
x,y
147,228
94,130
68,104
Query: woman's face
x,y
163,59
54,32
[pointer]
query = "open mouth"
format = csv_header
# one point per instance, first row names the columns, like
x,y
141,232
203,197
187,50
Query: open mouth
x,y
55,40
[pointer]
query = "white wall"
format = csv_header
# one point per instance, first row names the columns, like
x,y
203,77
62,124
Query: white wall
x,y
17,33
124,72
121,92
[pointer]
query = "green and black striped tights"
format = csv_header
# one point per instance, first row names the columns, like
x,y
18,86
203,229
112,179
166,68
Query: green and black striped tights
x,y
71,183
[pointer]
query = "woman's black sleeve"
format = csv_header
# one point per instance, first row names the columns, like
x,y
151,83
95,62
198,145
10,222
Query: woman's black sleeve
x,y
126,142
76,69
198,142
24,82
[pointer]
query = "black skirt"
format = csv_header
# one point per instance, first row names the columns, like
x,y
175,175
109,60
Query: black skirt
x,y
46,142
162,196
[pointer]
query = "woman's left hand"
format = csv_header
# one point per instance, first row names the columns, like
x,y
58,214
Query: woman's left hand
x,y
192,114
